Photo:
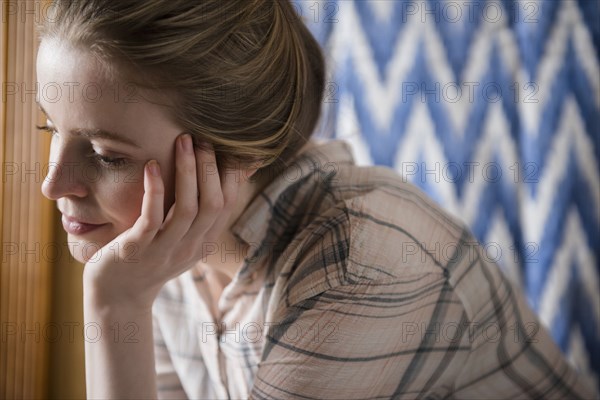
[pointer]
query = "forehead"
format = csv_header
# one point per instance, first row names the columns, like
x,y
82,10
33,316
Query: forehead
x,y
79,91
60,64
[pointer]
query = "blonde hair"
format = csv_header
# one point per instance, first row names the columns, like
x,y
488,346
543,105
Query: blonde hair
x,y
245,76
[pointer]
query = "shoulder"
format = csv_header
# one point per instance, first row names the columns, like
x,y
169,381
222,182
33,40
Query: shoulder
x,y
395,224
369,226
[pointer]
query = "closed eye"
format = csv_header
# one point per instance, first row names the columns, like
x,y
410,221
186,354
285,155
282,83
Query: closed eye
x,y
46,128
109,162
105,161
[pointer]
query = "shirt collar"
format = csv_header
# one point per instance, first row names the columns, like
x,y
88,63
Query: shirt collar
x,y
252,225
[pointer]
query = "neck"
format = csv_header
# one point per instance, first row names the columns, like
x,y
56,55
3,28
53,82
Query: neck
x,y
230,253
227,254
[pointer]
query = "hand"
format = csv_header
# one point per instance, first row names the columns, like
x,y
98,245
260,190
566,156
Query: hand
x,y
152,251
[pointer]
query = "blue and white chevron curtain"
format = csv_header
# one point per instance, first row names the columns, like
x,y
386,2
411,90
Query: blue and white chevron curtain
x,y
493,108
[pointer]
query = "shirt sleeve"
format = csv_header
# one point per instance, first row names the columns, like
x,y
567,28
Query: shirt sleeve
x,y
513,354
413,339
167,382
366,340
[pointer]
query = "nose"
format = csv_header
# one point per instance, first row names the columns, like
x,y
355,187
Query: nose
x,y
64,177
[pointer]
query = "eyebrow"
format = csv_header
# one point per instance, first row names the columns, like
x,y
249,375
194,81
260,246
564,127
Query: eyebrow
x,y
97,133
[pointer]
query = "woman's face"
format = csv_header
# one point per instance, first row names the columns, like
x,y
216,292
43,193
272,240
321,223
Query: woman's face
x,y
104,133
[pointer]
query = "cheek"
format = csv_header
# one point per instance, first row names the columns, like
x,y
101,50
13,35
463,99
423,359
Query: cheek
x,y
120,205
121,202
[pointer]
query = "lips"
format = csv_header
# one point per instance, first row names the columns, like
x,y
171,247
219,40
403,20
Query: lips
x,y
75,227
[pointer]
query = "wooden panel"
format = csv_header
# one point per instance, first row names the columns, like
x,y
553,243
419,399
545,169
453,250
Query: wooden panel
x,y
25,215
67,362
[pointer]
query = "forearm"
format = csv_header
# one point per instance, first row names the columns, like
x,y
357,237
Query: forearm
x,y
119,361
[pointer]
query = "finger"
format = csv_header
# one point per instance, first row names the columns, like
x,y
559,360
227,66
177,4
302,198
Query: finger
x,y
230,184
209,185
185,207
151,218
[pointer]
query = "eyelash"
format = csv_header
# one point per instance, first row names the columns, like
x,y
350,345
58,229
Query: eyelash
x,y
46,128
108,162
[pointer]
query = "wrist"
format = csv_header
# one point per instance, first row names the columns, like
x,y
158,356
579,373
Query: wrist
x,y
113,302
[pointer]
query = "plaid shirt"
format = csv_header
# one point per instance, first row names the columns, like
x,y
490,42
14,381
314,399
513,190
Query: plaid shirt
x,y
357,287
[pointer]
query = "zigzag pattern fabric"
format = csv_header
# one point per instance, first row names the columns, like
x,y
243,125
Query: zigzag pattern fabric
x,y
493,109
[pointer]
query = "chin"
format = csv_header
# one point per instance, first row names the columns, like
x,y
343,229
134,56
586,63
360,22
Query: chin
x,y
85,250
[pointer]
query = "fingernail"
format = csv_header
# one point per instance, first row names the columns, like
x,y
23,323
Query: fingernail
x,y
154,168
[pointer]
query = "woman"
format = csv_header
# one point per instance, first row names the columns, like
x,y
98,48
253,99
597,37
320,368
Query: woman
x,y
227,255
